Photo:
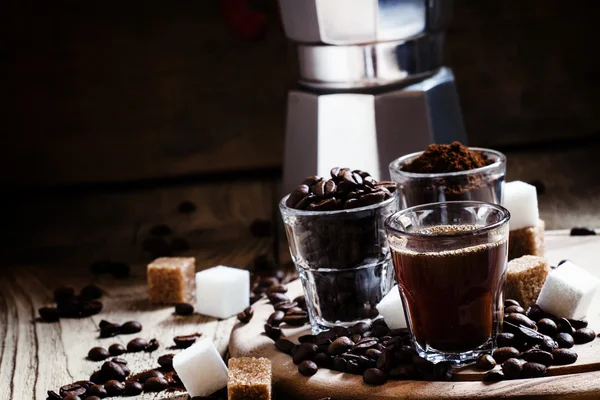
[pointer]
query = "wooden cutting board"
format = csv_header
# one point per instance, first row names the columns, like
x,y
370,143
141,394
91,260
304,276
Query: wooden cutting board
x,y
578,381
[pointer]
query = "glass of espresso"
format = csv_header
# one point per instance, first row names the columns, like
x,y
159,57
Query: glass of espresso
x,y
450,263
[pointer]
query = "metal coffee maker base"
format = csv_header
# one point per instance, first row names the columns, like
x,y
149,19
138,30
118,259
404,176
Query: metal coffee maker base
x,y
368,130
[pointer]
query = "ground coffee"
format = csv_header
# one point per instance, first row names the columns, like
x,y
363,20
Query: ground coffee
x,y
442,158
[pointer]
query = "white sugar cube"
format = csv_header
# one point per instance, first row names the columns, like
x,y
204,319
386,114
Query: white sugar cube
x,y
568,291
222,291
201,368
392,310
520,199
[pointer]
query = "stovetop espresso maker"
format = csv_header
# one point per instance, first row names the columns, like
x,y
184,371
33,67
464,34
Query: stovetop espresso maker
x,y
372,85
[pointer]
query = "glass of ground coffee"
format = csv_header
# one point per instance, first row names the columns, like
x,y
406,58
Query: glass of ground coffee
x,y
449,173
338,243
450,262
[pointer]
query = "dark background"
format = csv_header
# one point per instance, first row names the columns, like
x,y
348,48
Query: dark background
x,y
108,92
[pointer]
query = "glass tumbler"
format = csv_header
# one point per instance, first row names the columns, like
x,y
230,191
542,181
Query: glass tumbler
x,y
479,184
343,260
450,262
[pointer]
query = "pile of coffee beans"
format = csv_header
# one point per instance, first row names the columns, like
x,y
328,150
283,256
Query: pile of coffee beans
x,y
110,329
289,312
134,346
70,305
531,341
346,189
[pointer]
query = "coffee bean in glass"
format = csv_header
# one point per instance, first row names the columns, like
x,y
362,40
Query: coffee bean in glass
x,y
114,388
117,349
136,345
131,327
133,388
156,384
98,354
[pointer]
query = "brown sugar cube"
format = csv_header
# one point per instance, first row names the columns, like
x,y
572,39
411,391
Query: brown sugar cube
x,y
249,378
527,241
525,277
171,280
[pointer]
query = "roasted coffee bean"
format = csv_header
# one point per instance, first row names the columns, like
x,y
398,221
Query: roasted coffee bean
x,y
565,326
374,376
578,323
276,298
535,313
404,354
49,314
307,339
367,343
103,323
151,373
284,345
306,351
295,320
526,335
584,335
136,345
301,301
98,354
63,293
373,353
324,205
110,330
352,367
443,371
84,384
514,309
340,345
538,356
90,307
582,231
125,369
356,337
98,377
520,319
533,370
91,292
117,349
166,361
327,335
71,397
285,306
133,388
156,384
323,344
305,202
152,346
119,360
131,327
485,362
184,309
512,368
112,371
564,340
548,344
323,360
246,315
564,356
307,368
341,331
506,339
298,194
339,364
547,327
184,341
114,388
96,390
272,332
502,354
493,376
276,318
511,302
73,388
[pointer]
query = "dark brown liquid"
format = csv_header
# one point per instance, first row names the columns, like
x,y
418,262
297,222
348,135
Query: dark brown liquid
x,y
452,296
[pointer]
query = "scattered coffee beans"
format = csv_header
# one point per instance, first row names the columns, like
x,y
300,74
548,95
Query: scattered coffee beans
x,y
96,390
98,354
374,376
493,376
582,231
166,361
185,341
133,388
114,388
152,346
272,332
565,340
584,335
502,354
155,384
91,292
71,397
307,368
113,371
485,362
512,368
184,309
538,356
563,356
72,389
110,330
49,314
533,370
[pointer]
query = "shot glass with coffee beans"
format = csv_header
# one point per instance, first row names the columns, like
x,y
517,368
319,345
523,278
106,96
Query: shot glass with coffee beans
x,y
336,236
450,262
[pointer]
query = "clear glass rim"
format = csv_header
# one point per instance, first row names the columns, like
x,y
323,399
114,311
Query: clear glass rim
x,y
284,208
395,166
465,203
